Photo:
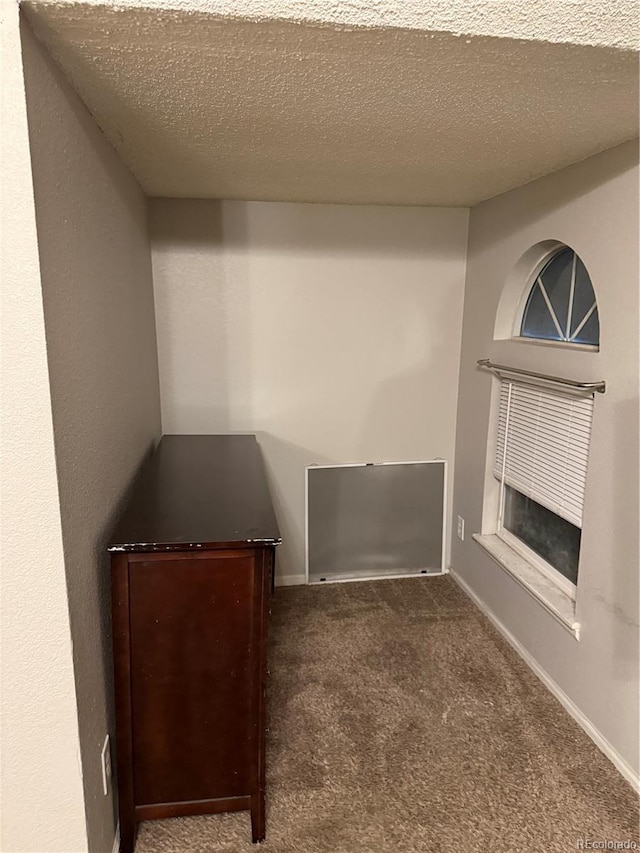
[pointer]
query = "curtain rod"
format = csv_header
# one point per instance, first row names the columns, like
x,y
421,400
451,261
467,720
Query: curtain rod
x,y
557,380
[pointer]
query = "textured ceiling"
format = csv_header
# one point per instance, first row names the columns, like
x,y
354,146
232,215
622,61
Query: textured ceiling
x,y
318,109
591,22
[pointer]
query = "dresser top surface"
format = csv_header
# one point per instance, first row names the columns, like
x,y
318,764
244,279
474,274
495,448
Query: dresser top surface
x,y
197,491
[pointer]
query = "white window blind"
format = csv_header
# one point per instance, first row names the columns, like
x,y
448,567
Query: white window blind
x,y
543,446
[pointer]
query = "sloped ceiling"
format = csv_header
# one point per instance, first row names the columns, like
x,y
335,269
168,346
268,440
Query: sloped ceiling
x,y
432,104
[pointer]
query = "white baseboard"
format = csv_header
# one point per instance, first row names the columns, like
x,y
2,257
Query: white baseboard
x,y
290,580
600,741
116,841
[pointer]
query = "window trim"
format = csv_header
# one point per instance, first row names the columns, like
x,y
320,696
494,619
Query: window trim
x,y
552,591
513,556
541,342
551,598
538,562
530,284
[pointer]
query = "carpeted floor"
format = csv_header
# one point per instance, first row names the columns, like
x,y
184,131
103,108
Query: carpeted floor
x,y
400,720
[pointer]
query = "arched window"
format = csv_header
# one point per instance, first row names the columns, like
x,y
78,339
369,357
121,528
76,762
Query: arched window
x,y
561,305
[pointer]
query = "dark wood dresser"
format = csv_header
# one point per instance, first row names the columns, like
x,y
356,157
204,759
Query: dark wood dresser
x,y
192,563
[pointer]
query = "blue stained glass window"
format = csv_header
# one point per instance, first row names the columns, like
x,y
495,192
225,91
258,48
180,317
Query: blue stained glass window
x,y
561,305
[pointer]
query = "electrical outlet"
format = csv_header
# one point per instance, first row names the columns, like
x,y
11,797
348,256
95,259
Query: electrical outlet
x,y
461,528
105,758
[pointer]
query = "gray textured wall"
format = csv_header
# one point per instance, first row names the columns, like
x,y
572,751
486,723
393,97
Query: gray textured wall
x,y
593,207
101,346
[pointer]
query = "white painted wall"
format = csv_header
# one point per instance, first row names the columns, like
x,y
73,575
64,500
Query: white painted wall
x,y
593,207
97,290
331,331
41,790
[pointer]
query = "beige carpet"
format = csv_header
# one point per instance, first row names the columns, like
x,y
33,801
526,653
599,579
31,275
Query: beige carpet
x,y
400,720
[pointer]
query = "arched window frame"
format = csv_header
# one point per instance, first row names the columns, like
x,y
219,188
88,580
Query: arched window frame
x,y
531,281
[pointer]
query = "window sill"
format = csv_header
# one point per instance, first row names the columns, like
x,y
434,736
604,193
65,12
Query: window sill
x,y
520,339
553,599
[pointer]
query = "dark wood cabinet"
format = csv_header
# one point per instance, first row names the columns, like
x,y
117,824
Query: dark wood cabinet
x,y
192,570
